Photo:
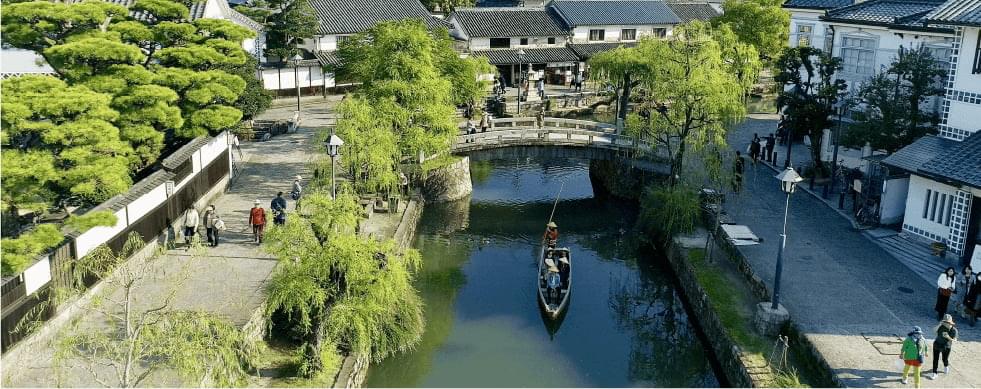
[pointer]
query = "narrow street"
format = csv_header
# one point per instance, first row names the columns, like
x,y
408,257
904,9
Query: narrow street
x,y
852,299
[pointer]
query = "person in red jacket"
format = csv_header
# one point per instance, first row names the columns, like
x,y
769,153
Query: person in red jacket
x,y
257,218
551,234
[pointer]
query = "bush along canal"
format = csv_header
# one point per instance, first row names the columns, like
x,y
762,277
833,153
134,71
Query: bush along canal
x,y
626,324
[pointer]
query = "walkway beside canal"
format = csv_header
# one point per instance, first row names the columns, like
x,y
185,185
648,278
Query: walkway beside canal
x,y
849,297
227,280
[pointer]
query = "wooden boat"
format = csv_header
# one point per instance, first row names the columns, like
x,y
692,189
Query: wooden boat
x,y
554,301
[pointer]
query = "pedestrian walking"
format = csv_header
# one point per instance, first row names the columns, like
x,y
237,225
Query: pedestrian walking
x,y
219,227
191,221
540,85
278,207
963,284
754,149
297,189
972,301
946,335
504,84
945,288
913,353
771,141
485,122
578,82
540,118
257,219
737,172
237,146
210,216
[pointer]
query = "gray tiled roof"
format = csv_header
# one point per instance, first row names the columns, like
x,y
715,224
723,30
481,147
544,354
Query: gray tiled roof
x,y
196,11
611,12
328,58
958,12
542,55
178,157
354,16
817,4
884,11
509,22
586,51
693,11
962,164
912,157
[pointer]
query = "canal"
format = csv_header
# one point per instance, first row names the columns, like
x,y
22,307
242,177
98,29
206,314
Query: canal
x,y
625,326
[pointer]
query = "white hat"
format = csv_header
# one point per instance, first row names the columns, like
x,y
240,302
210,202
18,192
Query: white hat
x,y
552,224
553,269
299,178
257,202
564,259
549,262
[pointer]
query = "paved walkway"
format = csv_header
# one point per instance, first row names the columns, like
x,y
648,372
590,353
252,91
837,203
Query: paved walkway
x,y
227,280
849,296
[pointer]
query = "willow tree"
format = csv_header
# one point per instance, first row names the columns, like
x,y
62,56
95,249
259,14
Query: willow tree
x,y
138,339
694,94
342,291
625,68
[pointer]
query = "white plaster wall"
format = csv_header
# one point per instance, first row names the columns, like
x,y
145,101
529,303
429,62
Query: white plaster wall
x,y
147,202
92,238
965,81
483,43
277,79
808,17
888,43
214,148
915,200
580,34
893,203
964,116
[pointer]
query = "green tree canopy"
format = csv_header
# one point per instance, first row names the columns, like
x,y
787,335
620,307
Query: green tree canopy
x,y
625,68
893,114
761,23
810,94
695,92
295,21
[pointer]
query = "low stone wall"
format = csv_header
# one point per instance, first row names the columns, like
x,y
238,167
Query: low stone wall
x,y
449,183
759,288
738,370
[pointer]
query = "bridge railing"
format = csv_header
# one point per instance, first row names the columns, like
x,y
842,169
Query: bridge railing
x,y
553,122
554,136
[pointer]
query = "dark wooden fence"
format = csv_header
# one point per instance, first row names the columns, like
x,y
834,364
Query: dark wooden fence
x,y
18,309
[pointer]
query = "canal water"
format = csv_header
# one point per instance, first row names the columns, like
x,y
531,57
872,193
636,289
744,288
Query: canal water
x,y
625,325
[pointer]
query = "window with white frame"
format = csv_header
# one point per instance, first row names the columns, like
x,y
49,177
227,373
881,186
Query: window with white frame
x,y
804,34
858,55
628,34
937,206
597,35
942,55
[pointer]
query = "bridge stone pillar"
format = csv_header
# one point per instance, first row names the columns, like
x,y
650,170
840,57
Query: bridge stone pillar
x,y
449,183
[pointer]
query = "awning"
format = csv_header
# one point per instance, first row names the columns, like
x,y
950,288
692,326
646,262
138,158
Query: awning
x,y
542,55
585,51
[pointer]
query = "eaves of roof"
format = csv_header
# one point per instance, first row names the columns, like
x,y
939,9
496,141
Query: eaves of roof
x,y
537,55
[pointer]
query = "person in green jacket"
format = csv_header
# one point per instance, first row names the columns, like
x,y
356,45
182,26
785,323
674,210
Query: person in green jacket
x,y
913,353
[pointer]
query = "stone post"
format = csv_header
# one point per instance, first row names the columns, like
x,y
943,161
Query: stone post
x,y
769,321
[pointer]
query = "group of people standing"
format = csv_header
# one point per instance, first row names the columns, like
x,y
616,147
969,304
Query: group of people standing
x,y
214,225
964,289
762,148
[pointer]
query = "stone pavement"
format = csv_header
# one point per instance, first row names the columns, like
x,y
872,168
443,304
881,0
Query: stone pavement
x,y
850,297
227,280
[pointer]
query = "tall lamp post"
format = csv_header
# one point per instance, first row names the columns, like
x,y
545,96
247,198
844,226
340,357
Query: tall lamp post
x,y
296,79
840,107
333,144
521,54
790,130
788,183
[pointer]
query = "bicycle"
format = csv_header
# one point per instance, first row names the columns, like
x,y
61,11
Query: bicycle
x,y
868,215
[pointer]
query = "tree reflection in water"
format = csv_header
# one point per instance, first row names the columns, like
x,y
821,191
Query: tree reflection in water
x,y
665,350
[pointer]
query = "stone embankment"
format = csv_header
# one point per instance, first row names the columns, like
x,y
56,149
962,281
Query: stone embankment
x,y
449,183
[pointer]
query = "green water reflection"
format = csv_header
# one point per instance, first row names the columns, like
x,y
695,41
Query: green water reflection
x,y
625,325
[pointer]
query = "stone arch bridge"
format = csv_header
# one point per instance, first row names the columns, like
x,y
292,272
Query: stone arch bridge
x,y
560,138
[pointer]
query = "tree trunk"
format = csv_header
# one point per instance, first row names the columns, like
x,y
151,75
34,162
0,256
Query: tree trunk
x,y
677,164
624,97
315,341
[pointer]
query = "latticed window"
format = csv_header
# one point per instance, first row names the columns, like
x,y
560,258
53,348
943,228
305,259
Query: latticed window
x,y
858,55
804,34
597,35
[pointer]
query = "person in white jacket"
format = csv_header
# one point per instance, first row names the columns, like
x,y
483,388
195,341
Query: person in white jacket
x,y
191,220
945,288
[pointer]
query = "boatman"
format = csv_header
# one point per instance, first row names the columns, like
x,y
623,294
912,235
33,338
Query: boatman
x,y
551,234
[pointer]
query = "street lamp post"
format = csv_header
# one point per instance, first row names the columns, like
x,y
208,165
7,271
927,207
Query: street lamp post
x,y
788,183
790,130
521,53
296,79
841,106
333,143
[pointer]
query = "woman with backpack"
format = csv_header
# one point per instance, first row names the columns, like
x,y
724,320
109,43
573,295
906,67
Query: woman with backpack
x,y
913,354
946,335
945,288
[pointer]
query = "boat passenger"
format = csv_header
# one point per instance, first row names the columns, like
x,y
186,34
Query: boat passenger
x,y
553,281
551,234
564,267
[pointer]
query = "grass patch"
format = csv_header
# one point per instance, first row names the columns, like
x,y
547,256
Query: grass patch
x,y
279,364
440,161
733,305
